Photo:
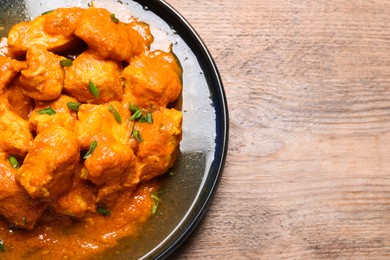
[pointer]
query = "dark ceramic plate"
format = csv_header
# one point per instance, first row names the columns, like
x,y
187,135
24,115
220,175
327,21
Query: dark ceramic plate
x,y
187,194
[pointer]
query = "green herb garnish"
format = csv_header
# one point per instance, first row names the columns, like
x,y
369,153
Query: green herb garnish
x,y
114,19
157,200
14,162
2,248
91,149
155,197
46,111
117,117
73,106
136,115
94,90
103,211
154,209
137,135
147,118
133,108
66,62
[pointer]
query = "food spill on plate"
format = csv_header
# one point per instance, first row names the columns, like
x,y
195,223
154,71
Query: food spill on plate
x,y
89,116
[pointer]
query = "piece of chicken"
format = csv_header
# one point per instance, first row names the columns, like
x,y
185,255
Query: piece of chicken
x,y
9,69
98,122
63,116
88,69
143,30
44,77
113,160
108,37
78,201
15,204
15,137
62,22
153,80
139,202
158,144
110,165
50,164
54,31
19,103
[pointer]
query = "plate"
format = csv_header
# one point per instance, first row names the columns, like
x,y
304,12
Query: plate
x,y
198,169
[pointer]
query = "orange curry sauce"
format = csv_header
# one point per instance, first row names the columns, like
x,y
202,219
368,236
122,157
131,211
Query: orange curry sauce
x,y
86,124
56,238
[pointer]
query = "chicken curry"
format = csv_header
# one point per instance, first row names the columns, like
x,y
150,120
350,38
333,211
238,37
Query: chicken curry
x,y
88,119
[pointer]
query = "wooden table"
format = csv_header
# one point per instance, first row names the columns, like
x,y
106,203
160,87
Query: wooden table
x,y
308,167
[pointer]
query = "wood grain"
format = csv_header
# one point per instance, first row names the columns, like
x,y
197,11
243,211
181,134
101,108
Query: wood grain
x,y
308,167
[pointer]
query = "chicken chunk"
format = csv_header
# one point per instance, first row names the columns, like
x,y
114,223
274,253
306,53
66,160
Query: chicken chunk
x,y
98,122
9,69
120,41
159,144
143,30
50,163
113,160
15,204
153,79
87,69
20,103
15,137
54,31
62,22
63,116
110,165
78,201
44,77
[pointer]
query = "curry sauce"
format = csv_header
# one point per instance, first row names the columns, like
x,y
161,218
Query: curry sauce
x,y
87,122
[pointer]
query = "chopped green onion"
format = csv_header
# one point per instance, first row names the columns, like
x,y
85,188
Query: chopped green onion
x,y
136,115
48,12
2,245
114,19
157,200
155,197
94,90
103,211
137,135
133,108
46,111
66,62
154,209
148,118
91,149
73,106
14,162
117,117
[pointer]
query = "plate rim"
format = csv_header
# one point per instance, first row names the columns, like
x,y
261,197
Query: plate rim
x,y
179,24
